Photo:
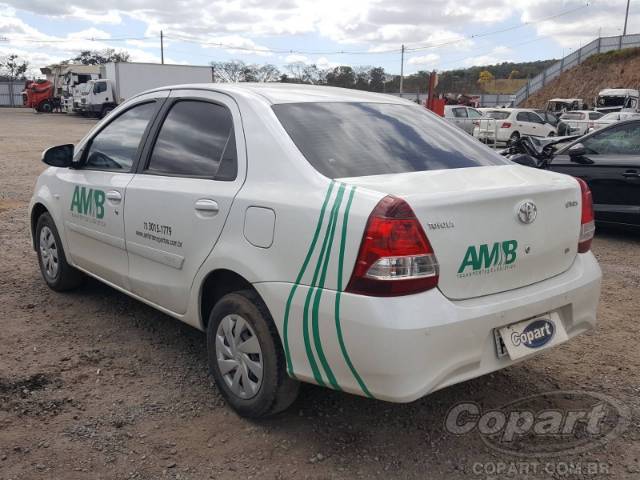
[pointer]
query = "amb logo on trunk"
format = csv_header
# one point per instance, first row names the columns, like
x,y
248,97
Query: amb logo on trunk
x,y
88,202
484,259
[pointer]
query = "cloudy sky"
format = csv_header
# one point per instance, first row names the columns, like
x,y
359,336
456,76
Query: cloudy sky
x,y
440,34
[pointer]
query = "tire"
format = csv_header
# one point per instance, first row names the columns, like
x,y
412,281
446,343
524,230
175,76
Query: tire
x,y
514,136
105,111
59,275
236,318
46,107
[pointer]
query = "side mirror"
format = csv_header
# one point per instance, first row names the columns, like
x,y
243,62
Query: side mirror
x,y
577,150
58,156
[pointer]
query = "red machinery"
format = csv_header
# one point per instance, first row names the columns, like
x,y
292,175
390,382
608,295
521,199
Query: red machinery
x,y
436,105
39,95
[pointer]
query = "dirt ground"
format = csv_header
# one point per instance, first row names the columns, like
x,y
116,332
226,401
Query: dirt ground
x,y
96,385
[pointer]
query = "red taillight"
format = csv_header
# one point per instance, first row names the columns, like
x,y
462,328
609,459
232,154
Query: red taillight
x,y
395,256
587,221
505,125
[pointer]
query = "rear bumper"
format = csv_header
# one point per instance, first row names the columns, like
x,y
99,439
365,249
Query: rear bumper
x,y
490,135
403,348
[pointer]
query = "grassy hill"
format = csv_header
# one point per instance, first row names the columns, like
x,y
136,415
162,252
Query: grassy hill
x,y
620,68
465,80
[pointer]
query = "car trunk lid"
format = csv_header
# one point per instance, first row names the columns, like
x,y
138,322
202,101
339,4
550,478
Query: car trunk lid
x,y
492,228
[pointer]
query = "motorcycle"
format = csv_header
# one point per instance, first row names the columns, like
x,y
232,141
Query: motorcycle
x,y
533,151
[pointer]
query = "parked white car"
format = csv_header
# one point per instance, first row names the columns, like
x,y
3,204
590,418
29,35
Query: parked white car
x,y
508,124
463,117
343,238
580,121
613,117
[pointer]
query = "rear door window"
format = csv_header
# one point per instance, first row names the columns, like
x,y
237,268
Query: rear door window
x,y
460,112
196,140
341,139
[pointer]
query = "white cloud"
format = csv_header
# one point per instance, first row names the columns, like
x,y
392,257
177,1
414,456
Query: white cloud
x,y
296,58
425,60
497,55
374,25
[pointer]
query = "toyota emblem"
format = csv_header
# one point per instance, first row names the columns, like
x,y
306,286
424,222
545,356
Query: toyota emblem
x,y
527,212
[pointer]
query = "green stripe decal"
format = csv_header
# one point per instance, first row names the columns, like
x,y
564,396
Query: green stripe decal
x,y
285,327
343,348
324,250
319,289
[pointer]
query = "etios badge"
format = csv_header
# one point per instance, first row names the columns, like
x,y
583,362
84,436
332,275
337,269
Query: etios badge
x,y
527,212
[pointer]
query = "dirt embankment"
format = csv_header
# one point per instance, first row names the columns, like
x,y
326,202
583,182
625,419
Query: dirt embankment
x,y
618,69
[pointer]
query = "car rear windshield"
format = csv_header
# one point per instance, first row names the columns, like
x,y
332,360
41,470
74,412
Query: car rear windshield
x,y
497,114
573,116
359,139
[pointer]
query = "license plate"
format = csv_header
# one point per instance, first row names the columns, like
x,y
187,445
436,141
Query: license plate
x,y
529,336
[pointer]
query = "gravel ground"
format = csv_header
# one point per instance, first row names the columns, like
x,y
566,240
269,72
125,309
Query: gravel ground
x,y
96,385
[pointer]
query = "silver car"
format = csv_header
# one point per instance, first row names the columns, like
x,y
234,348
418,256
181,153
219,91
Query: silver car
x,y
462,116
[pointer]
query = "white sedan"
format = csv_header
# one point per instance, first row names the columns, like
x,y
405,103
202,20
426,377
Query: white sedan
x,y
348,239
613,117
504,125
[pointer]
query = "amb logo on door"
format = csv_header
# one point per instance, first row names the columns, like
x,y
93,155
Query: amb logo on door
x,y
485,258
88,202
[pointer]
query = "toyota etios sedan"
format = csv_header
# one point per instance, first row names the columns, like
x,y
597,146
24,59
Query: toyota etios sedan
x,y
348,239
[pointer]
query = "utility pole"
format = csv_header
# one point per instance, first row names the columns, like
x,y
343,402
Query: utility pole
x,y
401,68
626,17
161,47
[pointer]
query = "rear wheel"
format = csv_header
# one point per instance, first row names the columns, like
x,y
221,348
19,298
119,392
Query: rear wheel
x,y
58,274
246,357
46,107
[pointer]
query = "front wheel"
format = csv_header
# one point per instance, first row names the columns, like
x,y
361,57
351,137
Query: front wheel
x,y
246,358
513,138
58,274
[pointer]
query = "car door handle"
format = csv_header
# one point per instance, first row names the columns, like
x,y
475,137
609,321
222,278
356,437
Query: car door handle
x,y
631,174
207,205
114,196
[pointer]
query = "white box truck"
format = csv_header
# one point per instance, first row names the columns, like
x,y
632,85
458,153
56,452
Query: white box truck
x,y
120,81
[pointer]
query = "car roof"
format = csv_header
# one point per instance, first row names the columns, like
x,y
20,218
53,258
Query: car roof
x,y
618,91
508,109
291,92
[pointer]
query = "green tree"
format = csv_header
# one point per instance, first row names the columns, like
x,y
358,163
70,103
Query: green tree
x,y
377,76
342,76
99,57
12,67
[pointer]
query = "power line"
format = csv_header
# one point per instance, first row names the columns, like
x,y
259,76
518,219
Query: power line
x,y
90,39
267,50
497,32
